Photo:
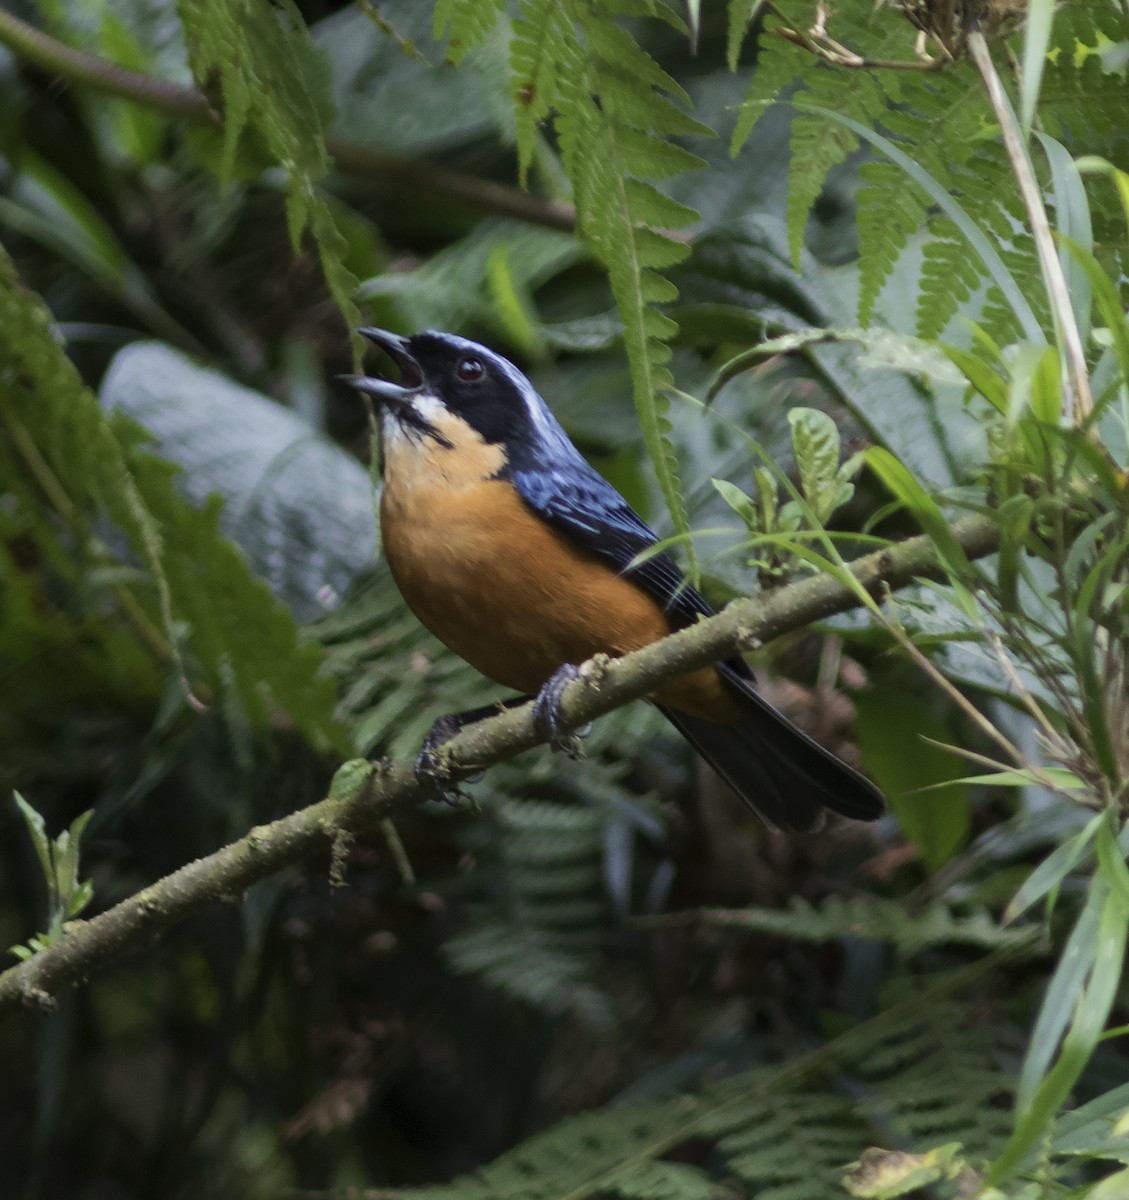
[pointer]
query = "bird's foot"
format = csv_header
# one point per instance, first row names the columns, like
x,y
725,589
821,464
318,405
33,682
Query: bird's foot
x,y
547,713
431,769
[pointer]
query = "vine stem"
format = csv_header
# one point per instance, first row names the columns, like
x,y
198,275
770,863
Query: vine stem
x,y
388,171
1082,401
363,795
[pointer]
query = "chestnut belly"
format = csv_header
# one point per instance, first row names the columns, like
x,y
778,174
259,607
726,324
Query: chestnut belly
x,y
516,599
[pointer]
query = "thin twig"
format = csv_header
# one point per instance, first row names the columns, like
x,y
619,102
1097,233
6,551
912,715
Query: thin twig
x,y
954,693
1024,693
388,171
838,55
819,42
89,70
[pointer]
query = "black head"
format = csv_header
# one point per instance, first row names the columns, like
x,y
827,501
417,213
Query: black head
x,y
441,374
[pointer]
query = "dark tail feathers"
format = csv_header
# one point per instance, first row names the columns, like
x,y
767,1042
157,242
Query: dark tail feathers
x,y
783,775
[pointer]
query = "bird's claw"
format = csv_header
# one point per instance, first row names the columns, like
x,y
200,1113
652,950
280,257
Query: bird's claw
x,y
431,770
547,712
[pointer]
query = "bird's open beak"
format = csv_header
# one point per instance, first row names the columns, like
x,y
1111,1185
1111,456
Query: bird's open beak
x,y
387,391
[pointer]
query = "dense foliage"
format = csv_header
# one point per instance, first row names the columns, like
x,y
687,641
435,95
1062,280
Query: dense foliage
x,y
785,277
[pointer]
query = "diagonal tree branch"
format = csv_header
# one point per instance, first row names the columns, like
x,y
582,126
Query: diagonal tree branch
x,y
388,171
362,794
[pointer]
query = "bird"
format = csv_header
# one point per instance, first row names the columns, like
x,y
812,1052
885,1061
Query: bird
x,y
523,560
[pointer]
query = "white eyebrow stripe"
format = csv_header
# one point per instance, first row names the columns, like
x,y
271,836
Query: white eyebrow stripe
x,y
547,426
539,414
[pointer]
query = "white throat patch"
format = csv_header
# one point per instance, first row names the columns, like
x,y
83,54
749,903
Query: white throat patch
x,y
426,405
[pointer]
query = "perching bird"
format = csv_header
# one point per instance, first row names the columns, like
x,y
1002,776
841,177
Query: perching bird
x,y
520,558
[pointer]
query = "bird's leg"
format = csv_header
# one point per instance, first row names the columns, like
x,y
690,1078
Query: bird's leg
x,y
547,711
430,771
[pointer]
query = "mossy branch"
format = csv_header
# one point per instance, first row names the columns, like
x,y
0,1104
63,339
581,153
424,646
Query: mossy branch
x,y
363,795
387,171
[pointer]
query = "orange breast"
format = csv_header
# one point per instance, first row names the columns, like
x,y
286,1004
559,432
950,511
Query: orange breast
x,y
506,592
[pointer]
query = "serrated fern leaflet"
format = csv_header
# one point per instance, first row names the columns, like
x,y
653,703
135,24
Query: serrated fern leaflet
x,y
616,112
273,82
941,119
197,592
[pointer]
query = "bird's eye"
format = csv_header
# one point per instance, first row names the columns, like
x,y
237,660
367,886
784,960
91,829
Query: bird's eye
x,y
470,369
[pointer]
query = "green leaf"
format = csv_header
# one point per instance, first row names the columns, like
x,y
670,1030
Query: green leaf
x,y
816,446
1036,42
892,726
1081,993
1029,777
1096,1129
888,1174
739,502
58,861
905,488
43,204
1111,861
987,381
1035,384
67,855
37,829
1113,1187
1108,301
483,279
1073,220
1053,870
768,495
1091,164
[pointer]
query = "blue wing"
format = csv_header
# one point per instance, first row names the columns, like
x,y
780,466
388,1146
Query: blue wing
x,y
583,506
776,768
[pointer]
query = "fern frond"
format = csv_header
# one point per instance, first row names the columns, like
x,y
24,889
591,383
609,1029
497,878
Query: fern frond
x,y
937,118
537,937
527,965
467,22
1083,105
579,1158
541,37
938,1078
787,1146
877,918
784,1132
889,214
818,144
740,17
375,650
942,121
199,590
273,82
948,279
919,1068
616,111
660,1181
775,73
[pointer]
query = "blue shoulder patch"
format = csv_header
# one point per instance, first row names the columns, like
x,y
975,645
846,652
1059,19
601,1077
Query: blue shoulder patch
x,y
584,507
